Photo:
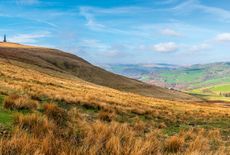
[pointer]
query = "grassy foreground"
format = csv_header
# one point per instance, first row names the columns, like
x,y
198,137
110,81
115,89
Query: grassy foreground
x,y
44,114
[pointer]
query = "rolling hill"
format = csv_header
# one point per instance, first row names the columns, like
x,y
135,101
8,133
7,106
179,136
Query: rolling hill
x,y
206,80
45,108
50,60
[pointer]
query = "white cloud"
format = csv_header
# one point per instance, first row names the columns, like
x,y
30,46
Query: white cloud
x,y
199,47
91,43
28,38
165,47
195,5
97,48
223,37
91,14
170,32
225,14
91,21
116,10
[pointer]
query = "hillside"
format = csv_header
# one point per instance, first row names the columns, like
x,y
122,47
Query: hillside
x,y
45,114
54,61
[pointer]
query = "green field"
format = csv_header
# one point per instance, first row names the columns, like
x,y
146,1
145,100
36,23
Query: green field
x,y
181,76
221,88
213,92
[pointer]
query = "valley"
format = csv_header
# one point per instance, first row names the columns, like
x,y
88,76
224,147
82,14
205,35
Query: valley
x,y
209,81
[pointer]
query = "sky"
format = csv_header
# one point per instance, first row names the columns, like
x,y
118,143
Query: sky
x,y
179,32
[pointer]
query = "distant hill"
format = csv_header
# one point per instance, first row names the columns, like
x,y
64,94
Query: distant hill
x,y
178,77
196,78
137,71
54,61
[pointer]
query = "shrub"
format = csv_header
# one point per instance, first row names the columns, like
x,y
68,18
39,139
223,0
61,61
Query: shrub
x,y
15,102
56,114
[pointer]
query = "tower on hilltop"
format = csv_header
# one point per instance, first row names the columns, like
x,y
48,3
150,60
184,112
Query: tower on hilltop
x,y
4,39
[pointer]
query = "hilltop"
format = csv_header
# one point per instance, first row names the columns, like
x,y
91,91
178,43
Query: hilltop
x,y
14,45
57,62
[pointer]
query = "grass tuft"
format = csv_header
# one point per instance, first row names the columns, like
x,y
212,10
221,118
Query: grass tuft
x,y
56,114
15,102
173,144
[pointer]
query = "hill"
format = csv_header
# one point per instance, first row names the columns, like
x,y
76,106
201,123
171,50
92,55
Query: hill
x,y
137,71
207,80
54,61
52,113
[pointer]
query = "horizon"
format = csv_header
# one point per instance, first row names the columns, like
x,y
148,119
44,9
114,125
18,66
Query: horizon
x,y
117,32
179,65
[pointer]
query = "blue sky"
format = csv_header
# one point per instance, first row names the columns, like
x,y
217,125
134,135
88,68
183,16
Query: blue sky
x,y
123,31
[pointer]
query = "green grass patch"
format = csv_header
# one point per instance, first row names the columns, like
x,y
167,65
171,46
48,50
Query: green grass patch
x,y
6,116
175,128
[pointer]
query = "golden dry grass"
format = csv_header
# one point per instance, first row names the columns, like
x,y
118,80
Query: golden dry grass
x,y
16,102
82,137
14,45
56,114
100,120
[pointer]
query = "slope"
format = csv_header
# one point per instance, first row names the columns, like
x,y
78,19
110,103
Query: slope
x,y
55,61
